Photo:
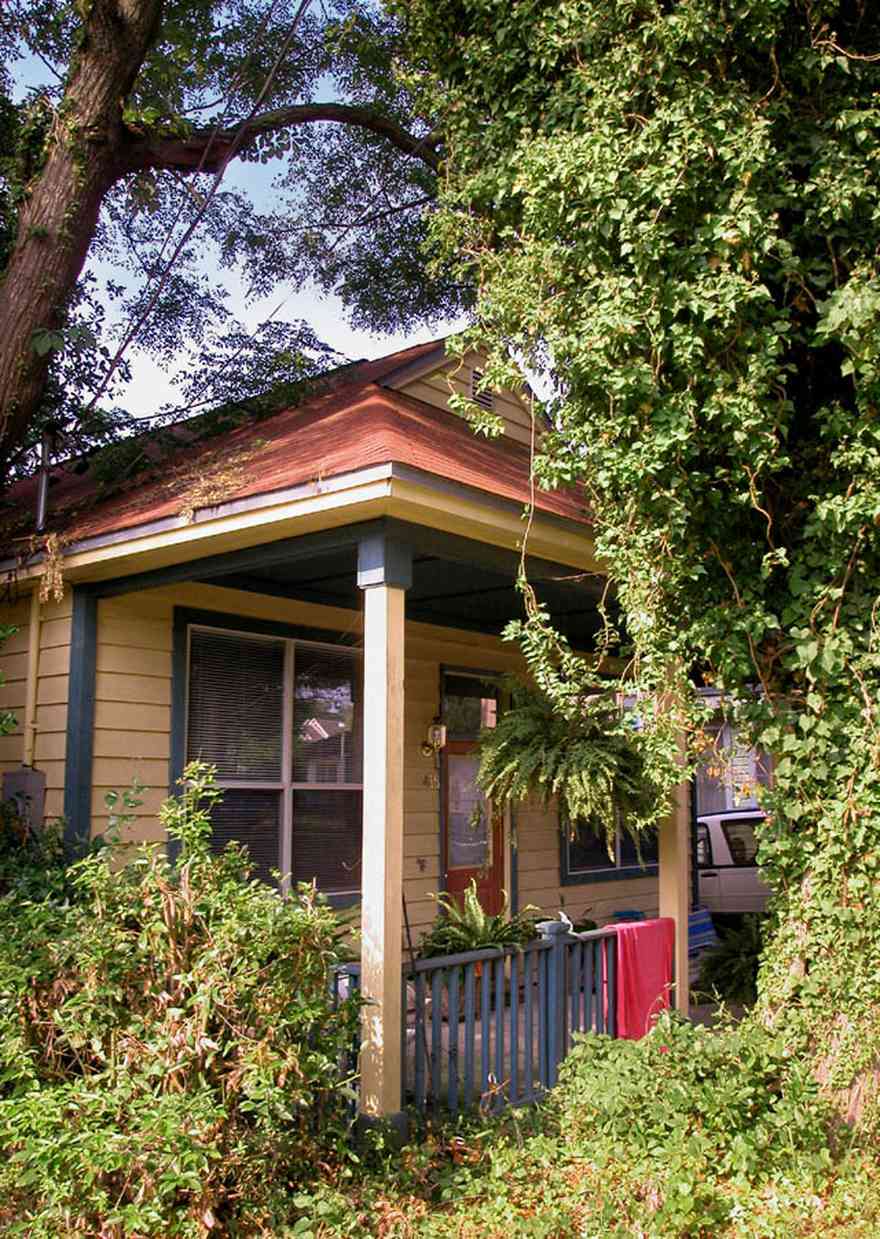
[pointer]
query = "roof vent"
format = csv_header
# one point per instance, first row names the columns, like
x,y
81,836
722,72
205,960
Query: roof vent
x,y
485,399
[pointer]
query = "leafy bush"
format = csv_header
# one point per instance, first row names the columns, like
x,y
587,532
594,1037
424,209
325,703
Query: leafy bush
x,y
468,927
689,1133
168,1052
687,1110
730,969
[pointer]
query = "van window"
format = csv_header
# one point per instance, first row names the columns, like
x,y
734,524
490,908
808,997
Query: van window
x,y
704,847
740,836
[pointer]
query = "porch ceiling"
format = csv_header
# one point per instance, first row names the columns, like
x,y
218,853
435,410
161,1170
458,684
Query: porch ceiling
x,y
445,591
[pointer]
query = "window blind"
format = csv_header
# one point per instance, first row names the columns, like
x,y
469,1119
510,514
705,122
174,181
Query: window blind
x,y
327,716
236,705
250,817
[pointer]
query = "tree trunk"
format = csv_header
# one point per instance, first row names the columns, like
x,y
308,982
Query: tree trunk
x,y
58,219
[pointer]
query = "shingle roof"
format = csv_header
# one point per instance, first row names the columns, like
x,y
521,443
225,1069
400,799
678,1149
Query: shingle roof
x,y
355,424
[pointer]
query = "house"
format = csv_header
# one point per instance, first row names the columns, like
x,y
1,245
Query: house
x,y
302,601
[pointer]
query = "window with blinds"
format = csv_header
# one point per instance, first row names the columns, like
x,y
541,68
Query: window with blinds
x,y
282,720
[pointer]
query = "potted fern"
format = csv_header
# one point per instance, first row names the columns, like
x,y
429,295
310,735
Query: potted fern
x,y
469,927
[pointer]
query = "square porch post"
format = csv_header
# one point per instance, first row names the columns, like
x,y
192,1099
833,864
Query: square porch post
x,y
674,880
384,574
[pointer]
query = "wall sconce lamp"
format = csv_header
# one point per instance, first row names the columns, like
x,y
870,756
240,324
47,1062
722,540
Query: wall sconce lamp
x,y
436,738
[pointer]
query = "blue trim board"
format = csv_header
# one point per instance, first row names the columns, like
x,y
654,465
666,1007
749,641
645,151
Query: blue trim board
x,y
80,719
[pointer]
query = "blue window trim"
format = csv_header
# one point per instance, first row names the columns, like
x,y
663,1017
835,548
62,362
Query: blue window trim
x,y
80,745
187,617
589,877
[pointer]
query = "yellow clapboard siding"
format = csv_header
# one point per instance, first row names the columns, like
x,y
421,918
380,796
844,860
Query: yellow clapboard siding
x,y
120,716
52,690
118,772
14,664
55,660
52,717
54,804
50,746
10,749
54,633
422,866
53,609
133,689
127,659
54,772
12,695
135,744
422,844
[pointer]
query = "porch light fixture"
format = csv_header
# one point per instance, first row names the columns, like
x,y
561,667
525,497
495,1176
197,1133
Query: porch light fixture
x,y
436,738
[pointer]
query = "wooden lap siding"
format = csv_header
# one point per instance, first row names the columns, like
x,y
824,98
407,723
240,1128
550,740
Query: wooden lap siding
x,y
52,690
133,722
434,389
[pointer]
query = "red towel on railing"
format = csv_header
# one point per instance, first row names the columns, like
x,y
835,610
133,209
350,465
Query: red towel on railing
x,y
644,973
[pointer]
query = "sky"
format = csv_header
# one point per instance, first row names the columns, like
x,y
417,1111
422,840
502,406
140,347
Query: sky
x,y
152,384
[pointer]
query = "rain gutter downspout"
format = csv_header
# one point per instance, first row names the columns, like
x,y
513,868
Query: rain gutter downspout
x,y
30,700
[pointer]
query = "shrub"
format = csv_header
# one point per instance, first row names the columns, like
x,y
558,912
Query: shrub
x,y
686,1112
168,1051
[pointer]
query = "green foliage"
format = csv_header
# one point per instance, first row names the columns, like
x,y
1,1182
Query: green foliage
x,y
730,970
687,1134
675,216
468,927
169,1058
587,758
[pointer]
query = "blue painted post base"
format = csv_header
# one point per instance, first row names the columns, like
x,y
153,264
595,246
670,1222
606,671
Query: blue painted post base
x,y
394,1128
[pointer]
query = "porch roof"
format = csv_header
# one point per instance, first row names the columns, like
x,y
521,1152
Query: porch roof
x,y
356,424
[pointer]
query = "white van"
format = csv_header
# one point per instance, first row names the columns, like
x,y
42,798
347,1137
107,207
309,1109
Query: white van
x,y
728,876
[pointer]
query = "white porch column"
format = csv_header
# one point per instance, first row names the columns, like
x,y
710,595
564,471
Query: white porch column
x,y
674,860
384,574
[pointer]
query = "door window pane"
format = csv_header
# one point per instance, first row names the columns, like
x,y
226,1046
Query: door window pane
x,y
469,705
327,839
467,817
327,717
236,701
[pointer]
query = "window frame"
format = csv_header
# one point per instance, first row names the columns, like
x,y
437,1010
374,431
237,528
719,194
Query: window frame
x,y
186,622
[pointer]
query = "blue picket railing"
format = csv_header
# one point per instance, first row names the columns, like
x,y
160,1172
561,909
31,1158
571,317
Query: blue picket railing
x,y
492,1026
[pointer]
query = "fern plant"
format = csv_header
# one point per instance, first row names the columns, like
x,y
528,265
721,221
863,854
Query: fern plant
x,y
588,759
469,927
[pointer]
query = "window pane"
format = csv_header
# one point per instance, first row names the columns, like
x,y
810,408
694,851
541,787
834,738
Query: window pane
x,y
630,854
235,705
251,818
327,834
467,815
469,705
587,850
740,838
327,716
730,773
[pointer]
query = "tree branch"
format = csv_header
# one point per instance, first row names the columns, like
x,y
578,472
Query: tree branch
x,y
186,154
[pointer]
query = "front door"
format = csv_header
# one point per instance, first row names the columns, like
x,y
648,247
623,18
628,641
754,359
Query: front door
x,y
473,833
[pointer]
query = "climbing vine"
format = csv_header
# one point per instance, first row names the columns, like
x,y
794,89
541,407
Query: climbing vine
x,y
673,214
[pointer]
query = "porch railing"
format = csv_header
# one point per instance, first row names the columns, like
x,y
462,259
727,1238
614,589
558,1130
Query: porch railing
x,y
492,1026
